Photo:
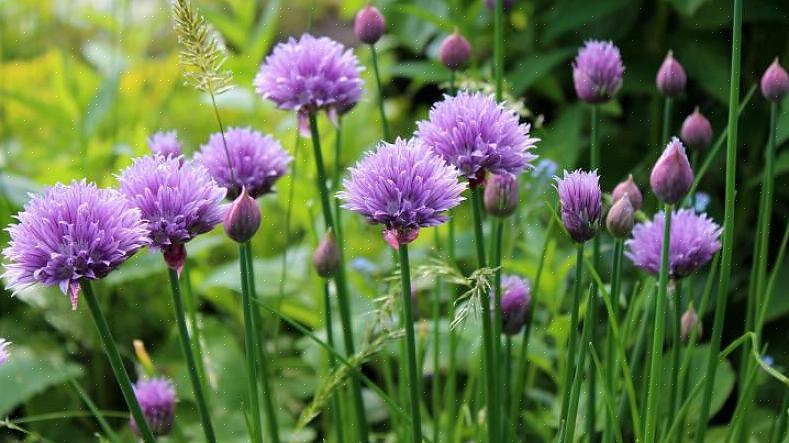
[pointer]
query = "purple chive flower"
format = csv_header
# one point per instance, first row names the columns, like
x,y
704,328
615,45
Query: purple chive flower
x,y
582,203
597,71
242,218
672,176
695,238
403,186
178,200
258,161
165,143
696,130
506,4
630,188
671,77
621,217
515,299
775,82
477,135
71,232
4,354
310,74
369,25
157,401
501,195
454,52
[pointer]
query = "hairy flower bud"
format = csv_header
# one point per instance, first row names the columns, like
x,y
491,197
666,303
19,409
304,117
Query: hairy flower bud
x,y
620,218
327,256
242,219
775,82
369,25
455,51
671,77
672,176
629,188
501,195
696,130
689,321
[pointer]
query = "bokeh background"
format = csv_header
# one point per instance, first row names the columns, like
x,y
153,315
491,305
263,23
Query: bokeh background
x,y
83,83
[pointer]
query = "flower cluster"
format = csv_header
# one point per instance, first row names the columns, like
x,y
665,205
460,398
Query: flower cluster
x,y
165,143
257,161
597,71
72,232
477,135
582,203
157,401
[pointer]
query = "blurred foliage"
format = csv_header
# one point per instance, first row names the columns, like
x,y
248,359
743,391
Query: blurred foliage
x,y
83,83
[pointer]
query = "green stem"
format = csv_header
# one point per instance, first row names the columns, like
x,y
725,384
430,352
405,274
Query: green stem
x,y
664,133
573,334
768,186
408,316
115,360
728,224
194,377
111,435
250,349
505,386
487,330
569,432
498,231
498,48
381,109
592,376
436,385
452,89
610,372
335,401
674,385
339,278
191,307
779,422
656,360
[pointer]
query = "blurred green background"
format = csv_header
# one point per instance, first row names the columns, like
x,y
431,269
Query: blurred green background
x,y
83,83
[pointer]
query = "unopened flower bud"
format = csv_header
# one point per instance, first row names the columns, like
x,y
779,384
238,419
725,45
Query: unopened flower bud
x,y
242,219
696,131
620,218
327,256
775,82
688,322
369,25
671,77
672,176
157,401
455,51
629,188
175,257
515,300
501,195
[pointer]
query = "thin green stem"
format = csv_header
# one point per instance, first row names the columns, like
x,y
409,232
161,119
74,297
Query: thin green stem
x,y
381,108
610,371
408,317
664,133
656,360
768,186
498,231
116,363
452,88
779,422
592,391
487,330
436,381
194,377
335,401
111,435
505,386
674,385
222,133
250,350
498,48
194,330
339,278
728,224
573,334
586,341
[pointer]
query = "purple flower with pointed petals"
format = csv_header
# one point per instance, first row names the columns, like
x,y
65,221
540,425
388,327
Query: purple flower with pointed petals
x,y
179,200
582,203
157,401
310,74
515,299
4,354
672,176
258,161
695,238
403,186
598,71
71,232
165,143
477,135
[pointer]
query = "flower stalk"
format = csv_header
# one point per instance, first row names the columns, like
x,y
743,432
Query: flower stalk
x,y
408,319
573,338
381,108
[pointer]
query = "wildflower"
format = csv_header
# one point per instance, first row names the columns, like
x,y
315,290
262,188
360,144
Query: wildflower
x,y
310,74
695,238
671,77
257,161
501,195
157,401
369,25
242,219
403,186
775,82
477,135
630,188
620,217
696,130
165,143
597,71
515,299
581,203
454,52
178,200
72,232
672,176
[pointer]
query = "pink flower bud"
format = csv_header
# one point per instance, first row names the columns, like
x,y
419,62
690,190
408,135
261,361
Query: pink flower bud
x,y
671,77
696,130
369,25
629,188
242,219
620,218
501,195
688,322
327,256
455,51
672,176
775,82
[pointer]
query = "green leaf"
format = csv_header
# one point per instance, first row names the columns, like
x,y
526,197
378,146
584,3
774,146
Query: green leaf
x,y
26,374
